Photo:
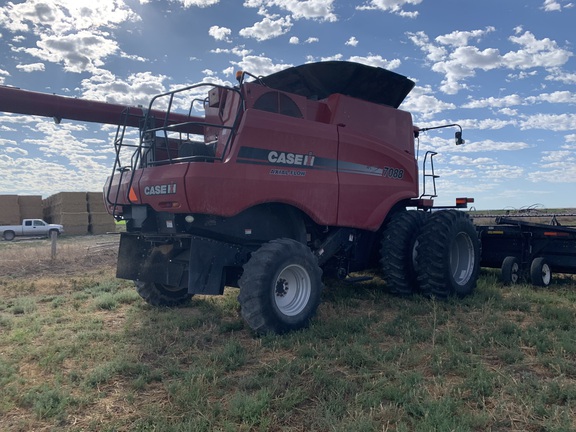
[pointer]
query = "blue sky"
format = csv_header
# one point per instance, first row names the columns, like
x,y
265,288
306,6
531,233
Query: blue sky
x,y
504,70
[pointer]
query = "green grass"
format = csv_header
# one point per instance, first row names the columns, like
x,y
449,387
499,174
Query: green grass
x,y
88,354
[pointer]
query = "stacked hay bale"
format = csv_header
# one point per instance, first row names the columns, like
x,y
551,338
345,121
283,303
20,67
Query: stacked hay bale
x,y
99,220
9,210
30,206
68,209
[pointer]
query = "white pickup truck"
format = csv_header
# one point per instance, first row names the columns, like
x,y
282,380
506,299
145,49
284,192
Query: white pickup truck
x,y
30,227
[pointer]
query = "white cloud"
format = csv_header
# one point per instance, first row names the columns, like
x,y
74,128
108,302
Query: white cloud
x,y
260,65
294,40
33,67
535,53
564,96
312,40
451,55
64,16
3,75
239,51
220,33
376,60
197,3
461,38
558,156
393,6
421,101
555,5
268,28
564,77
553,122
319,10
493,102
352,41
137,89
80,52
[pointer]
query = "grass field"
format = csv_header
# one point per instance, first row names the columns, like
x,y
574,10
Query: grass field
x,y
80,351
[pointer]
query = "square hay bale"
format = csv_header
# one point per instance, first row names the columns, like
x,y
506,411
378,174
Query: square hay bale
x,y
102,228
30,206
100,219
9,210
67,202
75,230
72,219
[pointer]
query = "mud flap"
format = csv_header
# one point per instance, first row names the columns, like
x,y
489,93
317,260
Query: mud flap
x,y
137,261
131,253
208,262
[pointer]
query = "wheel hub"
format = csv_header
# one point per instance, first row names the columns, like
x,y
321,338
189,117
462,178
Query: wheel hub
x,y
292,290
281,287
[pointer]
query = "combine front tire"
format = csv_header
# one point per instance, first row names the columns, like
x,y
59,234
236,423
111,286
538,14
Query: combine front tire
x,y
398,251
448,255
157,294
540,272
280,287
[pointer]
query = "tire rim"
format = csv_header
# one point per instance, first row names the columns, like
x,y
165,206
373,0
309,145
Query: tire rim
x,y
462,258
292,290
514,273
546,274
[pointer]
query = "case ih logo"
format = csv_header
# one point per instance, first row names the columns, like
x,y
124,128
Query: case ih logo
x,y
291,158
166,189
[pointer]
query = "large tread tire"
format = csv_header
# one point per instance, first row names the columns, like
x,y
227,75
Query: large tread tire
x,y
280,287
540,272
157,294
9,235
398,251
510,271
448,255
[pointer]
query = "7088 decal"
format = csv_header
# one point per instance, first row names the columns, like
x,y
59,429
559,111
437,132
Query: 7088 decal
x,y
395,173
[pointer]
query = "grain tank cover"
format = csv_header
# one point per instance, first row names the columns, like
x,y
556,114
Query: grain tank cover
x,y
320,80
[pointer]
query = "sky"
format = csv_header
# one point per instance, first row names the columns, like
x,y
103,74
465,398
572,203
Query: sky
x,y
504,70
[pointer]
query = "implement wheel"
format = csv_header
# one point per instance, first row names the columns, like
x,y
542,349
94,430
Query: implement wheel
x,y
540,272
398,251
157,294
280,287
510,273
448,255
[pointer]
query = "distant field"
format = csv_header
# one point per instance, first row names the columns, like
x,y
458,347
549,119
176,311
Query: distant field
x,y
566,217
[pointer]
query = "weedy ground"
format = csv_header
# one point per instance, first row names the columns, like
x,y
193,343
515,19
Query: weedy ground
x,y
80,351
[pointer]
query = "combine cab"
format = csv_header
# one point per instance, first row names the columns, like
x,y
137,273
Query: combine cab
x,y
272,183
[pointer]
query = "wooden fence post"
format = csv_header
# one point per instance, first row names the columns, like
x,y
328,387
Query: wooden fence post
x,y
53,237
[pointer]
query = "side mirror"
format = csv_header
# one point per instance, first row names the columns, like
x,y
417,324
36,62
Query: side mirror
x,y
458,137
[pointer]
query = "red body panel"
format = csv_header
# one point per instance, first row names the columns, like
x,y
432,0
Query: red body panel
x,y
347,164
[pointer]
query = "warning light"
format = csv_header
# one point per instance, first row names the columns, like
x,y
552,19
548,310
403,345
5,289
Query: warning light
x,y
463,202
239,75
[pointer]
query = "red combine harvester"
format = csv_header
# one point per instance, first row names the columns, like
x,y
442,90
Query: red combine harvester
x,y
307,171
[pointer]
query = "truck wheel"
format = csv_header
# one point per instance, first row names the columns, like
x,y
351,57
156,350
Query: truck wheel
x,y
448,255
540,272
51,231
280,287
510,273
398,251
157,294
9,235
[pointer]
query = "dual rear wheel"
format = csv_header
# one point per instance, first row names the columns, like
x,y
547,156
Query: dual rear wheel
x,y
435,254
